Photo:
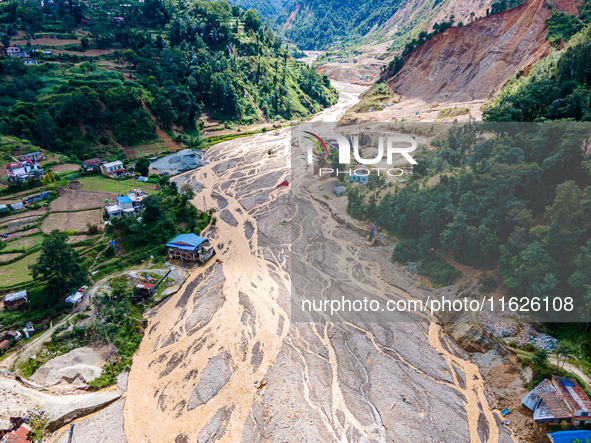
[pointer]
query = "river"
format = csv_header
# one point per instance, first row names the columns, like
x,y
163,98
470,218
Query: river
x,y
221,360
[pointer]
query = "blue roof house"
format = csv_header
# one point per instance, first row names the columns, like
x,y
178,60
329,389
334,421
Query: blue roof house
x,y
190,247
361,178
125,202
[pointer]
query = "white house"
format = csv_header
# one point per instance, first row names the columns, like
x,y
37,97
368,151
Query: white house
x,y
23,170
113,169
15,51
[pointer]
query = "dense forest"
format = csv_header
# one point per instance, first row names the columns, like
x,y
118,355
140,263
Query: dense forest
x,y
181,60
519,202
323,24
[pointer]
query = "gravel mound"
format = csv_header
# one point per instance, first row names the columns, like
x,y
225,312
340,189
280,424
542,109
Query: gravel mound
x,y
178,162
77,367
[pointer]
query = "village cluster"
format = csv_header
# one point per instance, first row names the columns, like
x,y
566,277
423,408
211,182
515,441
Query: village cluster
x,y
184,248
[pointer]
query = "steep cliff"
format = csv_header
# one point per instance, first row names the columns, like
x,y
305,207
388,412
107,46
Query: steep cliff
x,y
470,62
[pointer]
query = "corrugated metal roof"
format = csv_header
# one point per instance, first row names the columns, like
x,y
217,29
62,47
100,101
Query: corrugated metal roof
x,y
532,399
16,296
569,436
123,200
184,240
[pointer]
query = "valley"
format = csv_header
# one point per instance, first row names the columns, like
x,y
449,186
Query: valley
x,y
153,267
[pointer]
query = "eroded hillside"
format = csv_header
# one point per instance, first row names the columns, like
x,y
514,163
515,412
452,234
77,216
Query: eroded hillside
x,y
471,62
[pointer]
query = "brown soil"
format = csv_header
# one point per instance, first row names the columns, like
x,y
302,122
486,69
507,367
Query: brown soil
x,y
47,42
471,62
66,221
22,233
40,211
8,257
71,200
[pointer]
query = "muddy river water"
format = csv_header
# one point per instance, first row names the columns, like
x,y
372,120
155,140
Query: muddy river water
x,y
221,361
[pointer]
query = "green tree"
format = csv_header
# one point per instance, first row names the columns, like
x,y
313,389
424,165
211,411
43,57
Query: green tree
x,y
187,190
567,205
540,357
252,20
58,266
68,22
142,166
564,350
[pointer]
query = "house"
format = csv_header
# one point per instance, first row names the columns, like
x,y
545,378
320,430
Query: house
x,y
119,19
3,207
339,189
75,297
34,156
36,198
17,206
569,436
126,203
190,247
16,300
113,211
360,178
16,431
145,289
559,399
91,164
21,171
30,61
137,196
15,51
113,169
18,435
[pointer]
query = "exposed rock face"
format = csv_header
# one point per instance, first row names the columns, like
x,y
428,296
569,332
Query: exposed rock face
x,y
215,376
77,367
472,338
470,62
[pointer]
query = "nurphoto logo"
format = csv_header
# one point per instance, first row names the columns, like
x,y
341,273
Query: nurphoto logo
x,y
343,144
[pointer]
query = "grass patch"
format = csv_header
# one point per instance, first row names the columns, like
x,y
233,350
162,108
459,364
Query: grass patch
x,y
23,243
105,184
17,272
380,95
438,271
452,112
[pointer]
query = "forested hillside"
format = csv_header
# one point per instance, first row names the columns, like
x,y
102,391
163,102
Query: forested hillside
x,y
317,24
519,202
268,9
175,61
321,24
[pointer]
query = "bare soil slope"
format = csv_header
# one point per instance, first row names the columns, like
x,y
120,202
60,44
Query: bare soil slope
x,y
471,62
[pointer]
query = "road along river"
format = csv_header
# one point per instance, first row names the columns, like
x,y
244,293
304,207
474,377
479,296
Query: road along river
x,y
221,360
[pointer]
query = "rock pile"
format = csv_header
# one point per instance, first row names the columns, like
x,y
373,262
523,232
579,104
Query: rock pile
x,y
509,332
502,329
528,335
178,162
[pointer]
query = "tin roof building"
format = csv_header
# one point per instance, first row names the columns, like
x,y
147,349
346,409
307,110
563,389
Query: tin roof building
x,y
559,399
